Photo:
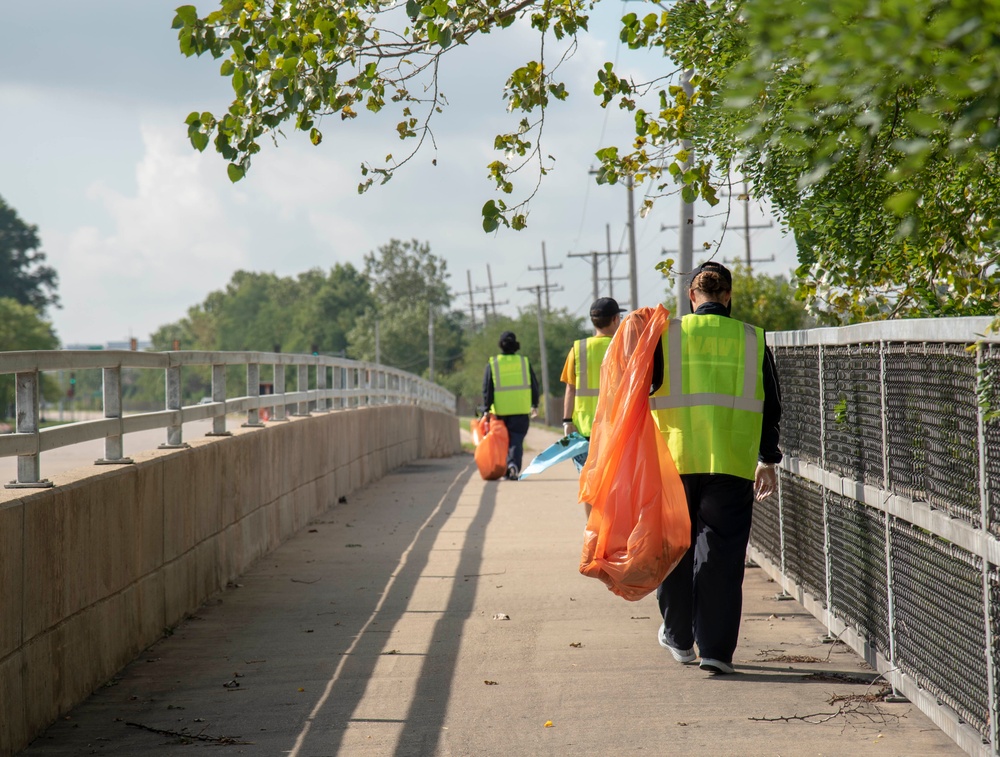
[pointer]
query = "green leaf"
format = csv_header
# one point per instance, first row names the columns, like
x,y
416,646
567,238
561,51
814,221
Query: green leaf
x,y
186,16
902,202
235,172
199,140
923,123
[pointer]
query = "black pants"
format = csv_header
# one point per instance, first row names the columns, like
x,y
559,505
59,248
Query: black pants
x,y
517,429
702,599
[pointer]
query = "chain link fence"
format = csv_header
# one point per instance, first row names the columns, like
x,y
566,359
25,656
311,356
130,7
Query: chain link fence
x,y
887,517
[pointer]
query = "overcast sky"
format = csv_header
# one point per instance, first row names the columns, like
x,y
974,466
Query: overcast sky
x,y
140,227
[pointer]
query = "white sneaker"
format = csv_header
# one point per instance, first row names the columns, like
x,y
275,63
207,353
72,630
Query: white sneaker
x,y
684,656
716,666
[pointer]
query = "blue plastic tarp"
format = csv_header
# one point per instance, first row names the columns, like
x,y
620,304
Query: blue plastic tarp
x,y
565,449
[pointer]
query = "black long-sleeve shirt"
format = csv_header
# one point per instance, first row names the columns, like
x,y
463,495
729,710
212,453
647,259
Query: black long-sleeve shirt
x,y
769,433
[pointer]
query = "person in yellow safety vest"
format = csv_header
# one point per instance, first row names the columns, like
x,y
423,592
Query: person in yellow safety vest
x,y
582,371
510,392
715,399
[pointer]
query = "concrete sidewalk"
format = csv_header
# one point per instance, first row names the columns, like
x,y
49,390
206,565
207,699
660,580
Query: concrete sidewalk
x,y
436,614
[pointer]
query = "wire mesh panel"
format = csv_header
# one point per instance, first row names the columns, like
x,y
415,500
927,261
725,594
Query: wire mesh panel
x,y
798,375
802,515
989,387
852,412
932,417
765,533
994,584
858,586
940,624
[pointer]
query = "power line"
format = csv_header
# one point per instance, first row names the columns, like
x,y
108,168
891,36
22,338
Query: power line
x,y
492,288
630,227
469,292
545,273
744,197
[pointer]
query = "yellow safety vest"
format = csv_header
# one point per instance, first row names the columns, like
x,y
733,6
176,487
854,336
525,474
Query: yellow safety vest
x,y
511,385
588,355
710,406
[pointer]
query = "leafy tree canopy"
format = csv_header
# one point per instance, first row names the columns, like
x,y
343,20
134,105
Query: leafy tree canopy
x,y
23,275
23,328
870,127
407,283
263,311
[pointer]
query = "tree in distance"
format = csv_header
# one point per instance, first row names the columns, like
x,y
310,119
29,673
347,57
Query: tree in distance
x,y
24,276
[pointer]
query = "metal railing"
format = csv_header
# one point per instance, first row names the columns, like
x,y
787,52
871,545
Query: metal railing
x,y
322,384
887,518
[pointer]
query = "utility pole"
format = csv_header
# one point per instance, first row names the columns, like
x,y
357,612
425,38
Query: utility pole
x,y
745,199
470,291
545,273
541,348
493,302
430,342
594,255
665,252
593,262
378,345
612,279
685,244
633,275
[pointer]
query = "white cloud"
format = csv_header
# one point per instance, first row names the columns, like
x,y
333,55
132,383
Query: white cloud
x,y
169,242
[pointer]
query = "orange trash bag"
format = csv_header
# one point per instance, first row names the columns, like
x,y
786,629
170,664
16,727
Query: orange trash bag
x,y
639,527
491,439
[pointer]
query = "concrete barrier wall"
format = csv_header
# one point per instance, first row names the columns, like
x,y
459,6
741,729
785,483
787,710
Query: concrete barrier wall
x,y
95,569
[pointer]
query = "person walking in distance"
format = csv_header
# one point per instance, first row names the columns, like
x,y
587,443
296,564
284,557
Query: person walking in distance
x,y
715,399
582,372
510,392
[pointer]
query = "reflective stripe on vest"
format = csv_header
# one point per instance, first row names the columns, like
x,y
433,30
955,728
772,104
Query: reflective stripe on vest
x,y
712,431
588,355
511,385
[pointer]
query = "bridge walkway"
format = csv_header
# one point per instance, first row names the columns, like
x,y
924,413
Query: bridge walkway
x,y
433,614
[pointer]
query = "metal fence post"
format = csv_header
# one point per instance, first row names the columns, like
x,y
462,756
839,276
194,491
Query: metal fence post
x,y
175,439
219,395
27,409
302,385
280,409
890,594
322,402
253,390
113,444
984,528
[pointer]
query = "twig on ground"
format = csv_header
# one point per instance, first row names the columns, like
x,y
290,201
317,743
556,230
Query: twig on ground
x,y
183,735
